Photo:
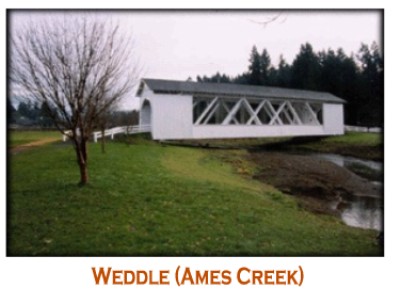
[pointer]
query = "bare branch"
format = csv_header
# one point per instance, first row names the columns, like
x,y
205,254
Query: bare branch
x,y
80,67
270,20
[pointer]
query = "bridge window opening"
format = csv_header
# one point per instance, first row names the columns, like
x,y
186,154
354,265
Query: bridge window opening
x,y
228,111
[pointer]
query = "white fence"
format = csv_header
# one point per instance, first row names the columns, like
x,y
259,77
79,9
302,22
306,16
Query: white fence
x,y
362,129
122,129
65,135
116,130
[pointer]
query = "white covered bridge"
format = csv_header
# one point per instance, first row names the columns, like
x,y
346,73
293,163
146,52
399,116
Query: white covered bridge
x,y
193,110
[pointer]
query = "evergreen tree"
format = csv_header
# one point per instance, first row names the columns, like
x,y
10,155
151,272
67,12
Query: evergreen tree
x,y
45,119
265,65
241,78
25,109
218,78
371,87
330,71
360,84
283,76
255,68
339,76
273,76
306,70
11,112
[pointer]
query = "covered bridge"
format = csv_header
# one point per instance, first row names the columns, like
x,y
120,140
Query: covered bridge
x,y
198,110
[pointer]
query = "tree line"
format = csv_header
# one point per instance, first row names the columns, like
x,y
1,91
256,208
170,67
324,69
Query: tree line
x,y
356,78
33,114
28,114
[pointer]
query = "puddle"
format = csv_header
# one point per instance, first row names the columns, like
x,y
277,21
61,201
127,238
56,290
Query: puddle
x,y
368,169
348,161
362,211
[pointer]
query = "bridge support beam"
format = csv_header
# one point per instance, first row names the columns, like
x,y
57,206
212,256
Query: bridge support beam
x,y
253,111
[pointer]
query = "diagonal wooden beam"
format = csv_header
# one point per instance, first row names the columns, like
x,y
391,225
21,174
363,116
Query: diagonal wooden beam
x,y
247,106
300,111
311,111
294,112
205,112
195,103
234,110
254,115
276,114
288,117
269,109
271,113
227,110
291,118
212,112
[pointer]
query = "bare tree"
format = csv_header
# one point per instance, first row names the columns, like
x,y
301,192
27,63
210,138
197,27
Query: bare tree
x,y
79,66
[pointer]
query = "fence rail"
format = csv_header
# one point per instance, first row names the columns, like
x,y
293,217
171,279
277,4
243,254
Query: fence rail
x,y
116,130
122,129
65,135
362,129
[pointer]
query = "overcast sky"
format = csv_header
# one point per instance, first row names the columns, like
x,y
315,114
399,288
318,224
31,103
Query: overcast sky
x,y
182,44
177,45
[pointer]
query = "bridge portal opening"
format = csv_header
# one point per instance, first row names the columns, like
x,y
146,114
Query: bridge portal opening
x,y
145,114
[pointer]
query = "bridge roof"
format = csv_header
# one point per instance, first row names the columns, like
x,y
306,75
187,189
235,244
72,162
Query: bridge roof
x,y
160,86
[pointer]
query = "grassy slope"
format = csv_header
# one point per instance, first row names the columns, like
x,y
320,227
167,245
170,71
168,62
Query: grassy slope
x,y
362,145
354,138
147,199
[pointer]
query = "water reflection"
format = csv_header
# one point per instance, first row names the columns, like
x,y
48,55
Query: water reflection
x,y
344,161
363,212
360,211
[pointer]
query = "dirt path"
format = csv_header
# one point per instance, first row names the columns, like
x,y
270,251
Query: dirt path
x,y
27,146
316,182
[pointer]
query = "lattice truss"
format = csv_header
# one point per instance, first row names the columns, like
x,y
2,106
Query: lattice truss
x,y
247,111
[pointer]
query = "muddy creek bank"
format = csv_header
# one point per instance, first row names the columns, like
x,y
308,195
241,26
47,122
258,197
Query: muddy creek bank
x,y
323,186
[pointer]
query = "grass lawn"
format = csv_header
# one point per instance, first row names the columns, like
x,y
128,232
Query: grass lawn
x,y
357,144
356,138
17,138
154,200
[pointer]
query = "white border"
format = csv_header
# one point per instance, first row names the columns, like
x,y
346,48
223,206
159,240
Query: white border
x,y
325,278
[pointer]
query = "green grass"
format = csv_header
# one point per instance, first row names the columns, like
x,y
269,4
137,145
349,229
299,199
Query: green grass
x,y
149,199
356,144
17,138
356,138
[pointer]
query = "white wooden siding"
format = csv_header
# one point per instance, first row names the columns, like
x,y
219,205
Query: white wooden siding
x,y
172,118
333,119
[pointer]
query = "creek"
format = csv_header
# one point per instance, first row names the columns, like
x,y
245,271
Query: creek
x,y
364,211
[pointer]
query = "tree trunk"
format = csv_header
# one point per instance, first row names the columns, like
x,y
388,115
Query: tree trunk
x,y
81,154
84,174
